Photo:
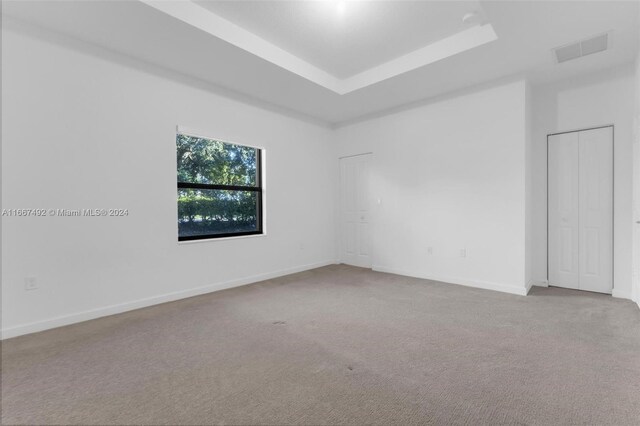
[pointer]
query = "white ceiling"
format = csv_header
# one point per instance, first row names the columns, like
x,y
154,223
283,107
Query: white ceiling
x,y
345,38
286,61
245,37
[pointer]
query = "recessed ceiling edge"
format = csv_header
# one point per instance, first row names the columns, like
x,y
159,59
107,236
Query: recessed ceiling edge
x,y
205,20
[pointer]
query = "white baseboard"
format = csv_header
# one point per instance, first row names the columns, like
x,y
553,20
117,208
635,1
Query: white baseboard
x,y
528,286
521,291
621,294
61,321
541,283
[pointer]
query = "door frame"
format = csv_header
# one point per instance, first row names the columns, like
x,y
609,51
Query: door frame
x,y
613,195
339,215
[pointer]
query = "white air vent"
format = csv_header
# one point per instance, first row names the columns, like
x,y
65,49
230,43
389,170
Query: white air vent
x,y
582,48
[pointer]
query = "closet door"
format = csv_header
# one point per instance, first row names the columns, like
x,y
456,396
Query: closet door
x,y
596,210
563,216
355,191
580,210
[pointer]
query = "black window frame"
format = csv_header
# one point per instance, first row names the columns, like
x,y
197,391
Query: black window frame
x,y
258,189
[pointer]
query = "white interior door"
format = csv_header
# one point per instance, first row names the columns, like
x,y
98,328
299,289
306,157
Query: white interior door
x,y
596,210
355,204
636,212
581,210
564,241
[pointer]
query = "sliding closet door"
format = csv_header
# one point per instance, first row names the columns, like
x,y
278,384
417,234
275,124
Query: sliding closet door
x,y
581,210
596,210
564,185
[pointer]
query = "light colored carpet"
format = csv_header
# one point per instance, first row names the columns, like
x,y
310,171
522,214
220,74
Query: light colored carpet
x,y
337,345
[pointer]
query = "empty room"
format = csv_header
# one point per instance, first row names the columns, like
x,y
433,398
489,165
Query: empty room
x,y
320,212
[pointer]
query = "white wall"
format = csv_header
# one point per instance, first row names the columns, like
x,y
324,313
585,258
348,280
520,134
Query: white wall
x,y
450,175
529,207
84,132
593,100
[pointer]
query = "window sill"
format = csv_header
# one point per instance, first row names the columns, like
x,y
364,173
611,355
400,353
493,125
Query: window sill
x,y
237,237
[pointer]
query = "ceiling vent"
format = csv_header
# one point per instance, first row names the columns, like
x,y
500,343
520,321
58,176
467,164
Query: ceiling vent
x,y
582,48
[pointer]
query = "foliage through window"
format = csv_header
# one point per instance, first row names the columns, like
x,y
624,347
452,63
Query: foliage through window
x,y
219,189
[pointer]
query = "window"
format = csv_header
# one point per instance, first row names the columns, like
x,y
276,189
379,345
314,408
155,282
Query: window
x,y
219,189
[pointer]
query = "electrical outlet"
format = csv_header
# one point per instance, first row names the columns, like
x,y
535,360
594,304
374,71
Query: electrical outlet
x,y
463,252
429,251
30,283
